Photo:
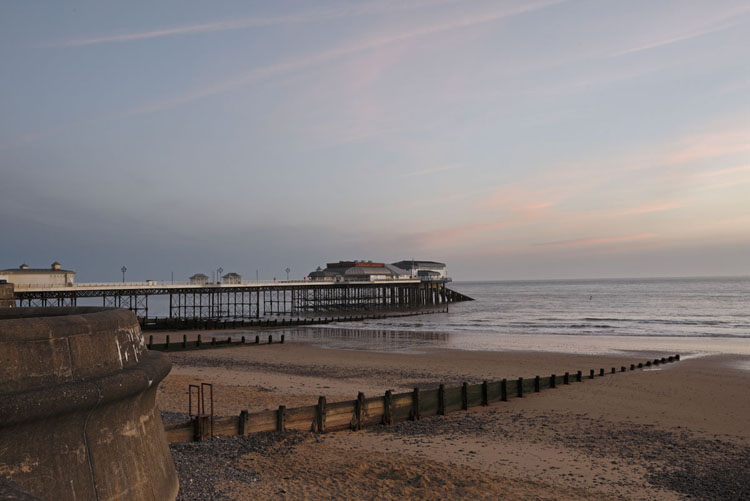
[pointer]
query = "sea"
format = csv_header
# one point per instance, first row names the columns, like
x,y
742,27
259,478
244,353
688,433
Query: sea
x,y
690,316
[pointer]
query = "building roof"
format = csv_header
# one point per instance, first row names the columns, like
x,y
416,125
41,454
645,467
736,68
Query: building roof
x,y
414,262
199,275
232,274
35,270
358,269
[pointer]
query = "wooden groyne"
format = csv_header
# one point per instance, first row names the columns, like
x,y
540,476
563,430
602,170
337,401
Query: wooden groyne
x,y
387,409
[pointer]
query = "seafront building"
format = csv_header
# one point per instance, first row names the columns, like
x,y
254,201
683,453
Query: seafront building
x,y
25,277
426,270
358,271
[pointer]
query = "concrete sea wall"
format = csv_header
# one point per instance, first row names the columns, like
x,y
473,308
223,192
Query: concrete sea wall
x,y
77,406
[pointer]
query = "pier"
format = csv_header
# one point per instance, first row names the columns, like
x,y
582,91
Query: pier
x,y
298,299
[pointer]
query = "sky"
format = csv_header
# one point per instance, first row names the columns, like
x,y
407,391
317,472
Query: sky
x,y
534,139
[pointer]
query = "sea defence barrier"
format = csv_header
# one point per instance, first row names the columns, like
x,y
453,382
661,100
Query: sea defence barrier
x,y
78,418
387,409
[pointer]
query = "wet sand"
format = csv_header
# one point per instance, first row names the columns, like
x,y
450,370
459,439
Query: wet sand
x,y
677,431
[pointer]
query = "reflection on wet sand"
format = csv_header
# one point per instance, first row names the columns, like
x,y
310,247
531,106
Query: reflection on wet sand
x,y
369,339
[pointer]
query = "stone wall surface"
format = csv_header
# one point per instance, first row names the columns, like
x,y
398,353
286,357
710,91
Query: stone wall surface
x,y
77,406
7,298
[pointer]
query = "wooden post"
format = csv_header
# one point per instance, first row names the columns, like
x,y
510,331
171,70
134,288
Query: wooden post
x,y
243,422
257,339
579,376
320,414
359,410
677,357
229,339
150,342
591,374
213,341
485,393
632,367
243,339
613,370
441,399
270,339
520,387
184,341
504,390
282,339
640,365
601,372
388,408
537,384
465,396
414,414
167,343
566,378
281,418
553,381
622,368
201,428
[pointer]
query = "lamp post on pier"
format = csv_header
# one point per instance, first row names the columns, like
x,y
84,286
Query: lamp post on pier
x,y
218,275
287,273
123,270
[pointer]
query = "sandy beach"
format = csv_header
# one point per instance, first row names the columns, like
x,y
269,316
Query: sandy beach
x,y
677,431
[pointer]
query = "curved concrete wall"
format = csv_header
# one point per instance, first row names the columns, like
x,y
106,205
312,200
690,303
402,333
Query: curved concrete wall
x,y
78,416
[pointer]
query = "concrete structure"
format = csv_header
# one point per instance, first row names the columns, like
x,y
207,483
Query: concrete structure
x,y
232,278
25,277
359,271
77,400
198,279
425,270
7,297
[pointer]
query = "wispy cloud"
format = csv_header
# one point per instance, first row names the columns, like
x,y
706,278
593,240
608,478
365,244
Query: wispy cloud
x,y
650,209
331,54
722,22
432,170
599,240
247,22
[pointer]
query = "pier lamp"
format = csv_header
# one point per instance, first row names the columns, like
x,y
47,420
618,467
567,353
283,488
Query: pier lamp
x,y
123,270
288,269
218,275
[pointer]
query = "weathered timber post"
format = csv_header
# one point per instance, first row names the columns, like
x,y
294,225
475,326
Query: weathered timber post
x,y
465,396
213,341
632,367
591,374
640,365
388,408
613,370
504,390
282,339
243,422
553,381
150,342
622,368
281,418
601,372
414,414
198,343
579,376
243,339
537,384
201,427
257,339
566,378
229,339
184,341
648,363
320,414
441,400
485,393
520,387
677,357
270,339
359,410
166,344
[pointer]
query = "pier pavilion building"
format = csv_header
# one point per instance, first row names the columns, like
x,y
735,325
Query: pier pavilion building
x,y
25,277
359,271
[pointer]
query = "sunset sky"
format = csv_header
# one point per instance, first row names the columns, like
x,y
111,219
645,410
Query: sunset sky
x,y
510,139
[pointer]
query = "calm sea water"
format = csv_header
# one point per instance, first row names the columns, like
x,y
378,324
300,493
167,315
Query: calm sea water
x,y
700,315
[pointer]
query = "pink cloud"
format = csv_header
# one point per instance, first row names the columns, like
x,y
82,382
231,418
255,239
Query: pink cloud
x,y
599,240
